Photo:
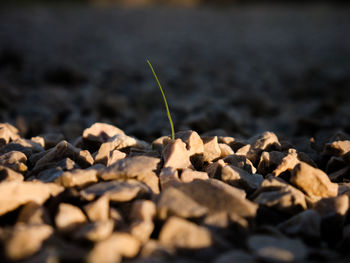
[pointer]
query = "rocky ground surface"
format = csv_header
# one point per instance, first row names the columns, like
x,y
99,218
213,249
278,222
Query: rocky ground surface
x,y
259,170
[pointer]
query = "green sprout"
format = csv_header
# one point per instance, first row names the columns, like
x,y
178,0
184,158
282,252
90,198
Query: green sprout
x,y
165,102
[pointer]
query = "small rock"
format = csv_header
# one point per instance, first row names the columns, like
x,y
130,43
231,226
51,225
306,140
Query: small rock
x,y
168,176
240,161
337,148
14,160
143,210
238,177
142,230
26,240
235,256
234,143
269,161
174,202
7,174
115,247
176,155
218,196
314,182
33,213
277,249
98,210
108,156
69,217
48,140
194,143
95,231
159,143
333,206
225,150
214,169
154,249
288,163
141,168
188,175
306,224
8,133
25,146
211,149
17,193
101,132
77,177
180,233
117,191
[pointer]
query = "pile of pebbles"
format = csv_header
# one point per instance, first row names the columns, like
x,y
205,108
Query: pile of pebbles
x,y
109,197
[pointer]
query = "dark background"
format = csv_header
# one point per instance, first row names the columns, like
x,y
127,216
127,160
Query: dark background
x,y
228,67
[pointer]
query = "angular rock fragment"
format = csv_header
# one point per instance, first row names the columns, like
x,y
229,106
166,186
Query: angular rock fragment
x,y
99,209
65,150
25,146
77,177
194,143
26,240
143,210
141,168
314,182
217,196
159,143
95,231
276,193
101,132
115,247
14,160
214,169
33,213
180,233
234,143
269,161
240,178
142,230
176,155
337,148
16,193
211,149
7,174
168,176
69,217
174,202
225,150
108,155
277,249
8,133
240,161
188,175
118,191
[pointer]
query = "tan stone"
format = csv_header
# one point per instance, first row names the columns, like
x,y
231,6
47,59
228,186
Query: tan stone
x,y
25,146
142,230
118,191
95,231
314,182
14,160
194,143
176,155
225,150
211,149
180,233
141,168
240,178
269,162
77,177
188,175
143,210
288,163
7,174
214,169
168,177
115,247
101,132
69,217
240,161
333,206
338,148
174,202
8,133
16,193
99,209
33,213
26,240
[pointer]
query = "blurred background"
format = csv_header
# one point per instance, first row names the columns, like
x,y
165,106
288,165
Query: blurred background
x,y
232,68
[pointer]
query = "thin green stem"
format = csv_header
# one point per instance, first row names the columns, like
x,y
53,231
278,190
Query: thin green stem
x,y
165,102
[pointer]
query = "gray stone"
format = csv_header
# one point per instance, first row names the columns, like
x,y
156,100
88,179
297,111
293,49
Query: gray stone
x,y
235,256
101,132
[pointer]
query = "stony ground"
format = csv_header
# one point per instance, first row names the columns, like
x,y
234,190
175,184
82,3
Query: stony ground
x,y
258,173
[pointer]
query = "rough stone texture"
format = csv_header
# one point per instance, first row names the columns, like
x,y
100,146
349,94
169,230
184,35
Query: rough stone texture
x,y
225,150
8,133
95,231
26,240
240,161
107,154
314,182
218,196
179,233
77,177
7,174
141,168
176,155
168,176
337,148
98,210
118,191
17,193
115,247
174,202
278,249
33,213
240,178
269,161
214,169
188,175
194,143
14,160
211,148
101,132
65,150
69,217
276,193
